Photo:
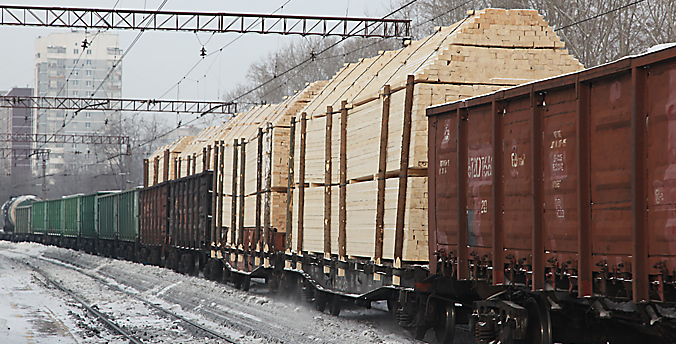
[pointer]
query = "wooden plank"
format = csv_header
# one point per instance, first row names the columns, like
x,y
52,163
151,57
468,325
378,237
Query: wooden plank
x,y
233,211
242,192
165,175
327,180
220,153
382,165
342,215
289,190
145,173
301,182
267,220
156,169
405,146
259,184
216,197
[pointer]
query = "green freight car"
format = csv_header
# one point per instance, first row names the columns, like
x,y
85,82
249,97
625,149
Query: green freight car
x,y
88,234
117,224
71,224
38,223
22,228
54,221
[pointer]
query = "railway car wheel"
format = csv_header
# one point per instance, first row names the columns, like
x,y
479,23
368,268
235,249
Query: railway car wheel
x,y
539,322
445,330
334,305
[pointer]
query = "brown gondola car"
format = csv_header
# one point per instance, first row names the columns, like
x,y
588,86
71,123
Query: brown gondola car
x,y
175,224
554,203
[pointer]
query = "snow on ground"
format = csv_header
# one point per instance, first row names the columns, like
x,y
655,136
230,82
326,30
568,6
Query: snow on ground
x,y
47,315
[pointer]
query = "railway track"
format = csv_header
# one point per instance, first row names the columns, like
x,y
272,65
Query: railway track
x,y
102,317
116,288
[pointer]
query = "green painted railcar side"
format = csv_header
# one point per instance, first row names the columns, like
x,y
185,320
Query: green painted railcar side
x,y
128,215
54,217
88,216
107,212
71,216
39,217
23,220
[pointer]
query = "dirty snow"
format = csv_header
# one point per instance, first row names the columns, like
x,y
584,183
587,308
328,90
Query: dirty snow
x,y
35,312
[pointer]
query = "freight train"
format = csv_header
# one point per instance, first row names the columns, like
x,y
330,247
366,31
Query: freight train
x,y
551,219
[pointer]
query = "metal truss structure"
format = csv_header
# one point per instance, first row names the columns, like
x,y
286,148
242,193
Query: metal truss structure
x,y
64,138
93,18
24,153
133,105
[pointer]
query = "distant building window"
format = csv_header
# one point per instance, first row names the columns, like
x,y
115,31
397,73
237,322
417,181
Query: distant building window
x,y
76,51
89,72
89,83
88,125
75,82
75,93
114,51
56,50
89,51
37,55
88,114
89,62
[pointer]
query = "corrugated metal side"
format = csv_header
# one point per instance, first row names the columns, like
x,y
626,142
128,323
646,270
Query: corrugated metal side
x,y
71,216
153,216
443,155
54,217
128,216
190,211
575,151
23,218
107,216
39,217
88,216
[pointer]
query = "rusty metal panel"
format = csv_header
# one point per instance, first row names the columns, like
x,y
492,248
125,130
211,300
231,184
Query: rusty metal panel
x,y
479,176
560,170
443,185
660,104
153,215
517,160
190,212
610,109
569,199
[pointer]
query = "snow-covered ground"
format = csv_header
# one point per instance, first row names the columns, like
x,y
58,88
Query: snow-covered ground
x,y
35,312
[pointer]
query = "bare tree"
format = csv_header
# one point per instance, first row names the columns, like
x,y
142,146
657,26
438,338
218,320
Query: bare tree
x,y
288,70
596,31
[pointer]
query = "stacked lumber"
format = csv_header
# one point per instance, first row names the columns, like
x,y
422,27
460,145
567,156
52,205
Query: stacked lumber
x,y
489,50
156,161
275,121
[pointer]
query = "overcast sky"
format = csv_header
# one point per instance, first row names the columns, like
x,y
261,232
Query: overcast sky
x,y
159,60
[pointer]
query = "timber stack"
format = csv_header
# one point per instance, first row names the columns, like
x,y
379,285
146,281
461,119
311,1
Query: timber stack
x,y
358,142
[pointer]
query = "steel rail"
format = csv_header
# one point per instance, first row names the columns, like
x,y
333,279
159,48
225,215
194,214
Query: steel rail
x,y
218,22
92,310
138,298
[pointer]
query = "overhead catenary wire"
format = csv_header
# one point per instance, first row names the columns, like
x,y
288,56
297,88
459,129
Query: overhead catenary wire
x,y
599,15
302,63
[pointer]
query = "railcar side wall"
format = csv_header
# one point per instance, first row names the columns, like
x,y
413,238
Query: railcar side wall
x,y
545,184
177,212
